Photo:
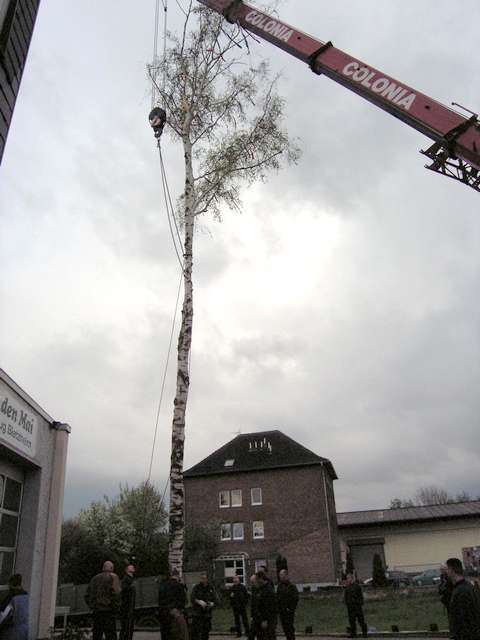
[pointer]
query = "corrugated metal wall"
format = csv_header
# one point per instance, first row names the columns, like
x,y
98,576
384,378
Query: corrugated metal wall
x,y
15,35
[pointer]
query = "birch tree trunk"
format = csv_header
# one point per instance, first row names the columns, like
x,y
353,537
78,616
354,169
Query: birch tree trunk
x,y
229,119
177,492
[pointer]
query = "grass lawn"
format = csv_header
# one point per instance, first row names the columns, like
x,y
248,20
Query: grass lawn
x,y
328,614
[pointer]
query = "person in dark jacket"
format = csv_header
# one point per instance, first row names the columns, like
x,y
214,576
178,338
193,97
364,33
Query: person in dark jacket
x,y
172,600
353,597
253,607
445,588
464,605
287,601
127,603
239,599
102,596
203,600
265,620
14,611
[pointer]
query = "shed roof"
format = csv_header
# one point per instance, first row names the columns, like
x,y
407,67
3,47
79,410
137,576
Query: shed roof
x,y
258,451
409,514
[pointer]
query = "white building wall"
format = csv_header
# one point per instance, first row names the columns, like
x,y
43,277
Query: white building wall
x,y
428,546
43,469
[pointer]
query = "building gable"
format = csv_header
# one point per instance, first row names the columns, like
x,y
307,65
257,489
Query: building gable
x,y
258,451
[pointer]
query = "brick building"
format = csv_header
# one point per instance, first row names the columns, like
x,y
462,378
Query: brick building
x,y
267,496
17,19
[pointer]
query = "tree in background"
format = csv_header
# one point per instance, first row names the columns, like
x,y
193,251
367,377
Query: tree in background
x,y
349,568
81,555
142,507
227,116
427,496
378,572
132,524
398,503
201,547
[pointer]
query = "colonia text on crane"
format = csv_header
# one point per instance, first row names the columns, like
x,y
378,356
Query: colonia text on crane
x,y
277,29
380,84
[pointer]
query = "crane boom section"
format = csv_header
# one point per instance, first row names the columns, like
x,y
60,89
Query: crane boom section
x,y
457,135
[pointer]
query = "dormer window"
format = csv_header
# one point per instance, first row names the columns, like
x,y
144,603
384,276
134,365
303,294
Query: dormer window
x,y
263,445
229,463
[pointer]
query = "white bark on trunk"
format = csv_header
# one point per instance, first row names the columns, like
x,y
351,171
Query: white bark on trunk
x,y
177,510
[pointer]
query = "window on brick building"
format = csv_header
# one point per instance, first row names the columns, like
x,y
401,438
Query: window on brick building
x,y
236,495
258,530
256,495
260,564
234,567
238,531
224,499
226,532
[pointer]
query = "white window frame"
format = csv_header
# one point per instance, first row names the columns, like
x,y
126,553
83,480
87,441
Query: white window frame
x,y
224,493
235,537
222,526
230,572
11,550
239,492
256,503
257,524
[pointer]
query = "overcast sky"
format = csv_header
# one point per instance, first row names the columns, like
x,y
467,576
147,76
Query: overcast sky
x,y
340,307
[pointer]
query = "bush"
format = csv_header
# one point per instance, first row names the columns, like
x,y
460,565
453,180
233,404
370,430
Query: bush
x,y
378,572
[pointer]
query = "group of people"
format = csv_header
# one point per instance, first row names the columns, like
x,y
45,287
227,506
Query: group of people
x,y
107,596
266,606
255,612
459,596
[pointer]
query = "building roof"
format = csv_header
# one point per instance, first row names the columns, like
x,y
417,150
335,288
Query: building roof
x,y
4,377
258,451
409,514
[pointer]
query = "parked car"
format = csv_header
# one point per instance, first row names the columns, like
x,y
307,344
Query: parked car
x,y
428,577
397,579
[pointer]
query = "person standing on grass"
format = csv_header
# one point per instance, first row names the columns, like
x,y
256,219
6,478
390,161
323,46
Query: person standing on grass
x,y
102,596
264,570
445,589
266,608
203,601
239,599
254,624
353,597
464,605
127,605
172,600
287,601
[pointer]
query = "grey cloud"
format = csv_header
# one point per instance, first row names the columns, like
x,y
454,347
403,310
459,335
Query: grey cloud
x,y
374,363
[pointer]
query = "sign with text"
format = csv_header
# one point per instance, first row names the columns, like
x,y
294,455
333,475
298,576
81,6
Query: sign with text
x,y
18,424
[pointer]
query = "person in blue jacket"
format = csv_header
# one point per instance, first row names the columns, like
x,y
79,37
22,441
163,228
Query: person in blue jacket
x,y
14,611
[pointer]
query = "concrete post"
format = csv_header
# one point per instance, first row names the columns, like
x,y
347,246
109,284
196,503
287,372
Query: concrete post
x,y
54,530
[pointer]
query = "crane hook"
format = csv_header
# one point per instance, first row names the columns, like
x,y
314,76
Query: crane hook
x,y
157,120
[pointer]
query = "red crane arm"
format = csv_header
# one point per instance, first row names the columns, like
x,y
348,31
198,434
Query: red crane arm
x,y
456,149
